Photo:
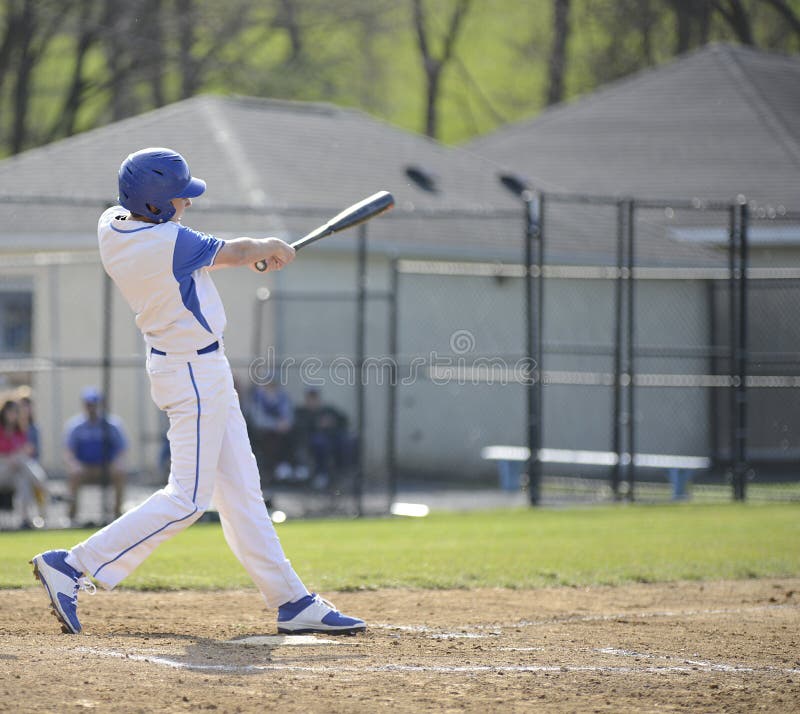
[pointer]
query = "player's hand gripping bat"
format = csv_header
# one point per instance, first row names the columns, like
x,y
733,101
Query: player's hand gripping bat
x,y
359,212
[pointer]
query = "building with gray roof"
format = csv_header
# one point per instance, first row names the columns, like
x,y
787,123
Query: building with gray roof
x,y
686,139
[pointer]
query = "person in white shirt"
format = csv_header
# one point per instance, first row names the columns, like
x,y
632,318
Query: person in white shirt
x,y
162,269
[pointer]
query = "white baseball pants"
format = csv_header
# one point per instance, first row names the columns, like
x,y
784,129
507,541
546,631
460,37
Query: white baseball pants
x,y
211,459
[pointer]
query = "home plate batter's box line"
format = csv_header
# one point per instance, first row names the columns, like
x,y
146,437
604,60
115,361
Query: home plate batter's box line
x,y
566,619
434,669
711,666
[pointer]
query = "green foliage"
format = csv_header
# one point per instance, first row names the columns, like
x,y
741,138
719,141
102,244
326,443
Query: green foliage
x,y
511,549
360,53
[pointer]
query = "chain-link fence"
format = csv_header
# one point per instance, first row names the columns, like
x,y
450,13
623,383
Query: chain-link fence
x,y
664,367
648,351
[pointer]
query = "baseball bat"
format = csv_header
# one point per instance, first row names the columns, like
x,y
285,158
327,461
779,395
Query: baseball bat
x,y
359,212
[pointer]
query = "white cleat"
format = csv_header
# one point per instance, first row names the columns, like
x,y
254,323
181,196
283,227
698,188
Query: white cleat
x,y
61,582
314,614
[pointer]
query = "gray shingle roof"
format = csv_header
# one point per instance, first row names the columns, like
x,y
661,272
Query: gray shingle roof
x,y
717,123
713,124
264,153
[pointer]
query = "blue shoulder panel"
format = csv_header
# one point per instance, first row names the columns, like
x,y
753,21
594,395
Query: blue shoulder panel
x,y
193,250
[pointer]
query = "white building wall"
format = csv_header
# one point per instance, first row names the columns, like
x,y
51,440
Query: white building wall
x,y
441,423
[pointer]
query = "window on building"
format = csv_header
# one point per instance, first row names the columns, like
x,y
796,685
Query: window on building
x,y
16,321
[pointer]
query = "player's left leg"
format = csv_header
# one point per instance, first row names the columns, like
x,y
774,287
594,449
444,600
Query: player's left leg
x,y
245,521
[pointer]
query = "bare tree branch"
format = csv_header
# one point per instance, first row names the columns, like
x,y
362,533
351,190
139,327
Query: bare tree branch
x,y
11,37
153,55
36,32
433,65
558,53
787,14
737,18
287,20
88,33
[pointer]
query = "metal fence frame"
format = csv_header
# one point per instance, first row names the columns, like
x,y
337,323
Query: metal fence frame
x,y
534,232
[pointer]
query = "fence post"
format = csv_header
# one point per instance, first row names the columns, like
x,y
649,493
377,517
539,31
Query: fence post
x,y
616,435
631,349
539,232
532,347
740,465
54,304
361,302
105,466
714,370
733,306
391,420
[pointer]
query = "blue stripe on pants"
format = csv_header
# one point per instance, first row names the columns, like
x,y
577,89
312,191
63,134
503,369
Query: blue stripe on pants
x,y
197,455
194,494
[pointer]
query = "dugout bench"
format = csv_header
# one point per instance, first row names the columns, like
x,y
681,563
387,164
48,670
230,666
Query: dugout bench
x,y
511,460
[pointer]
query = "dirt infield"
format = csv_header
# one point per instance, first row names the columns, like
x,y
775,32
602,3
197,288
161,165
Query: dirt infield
x,y
729,646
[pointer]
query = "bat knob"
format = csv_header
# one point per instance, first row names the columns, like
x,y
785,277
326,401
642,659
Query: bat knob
x,y
261,265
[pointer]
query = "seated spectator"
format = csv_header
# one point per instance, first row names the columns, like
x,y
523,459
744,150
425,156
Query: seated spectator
x,y
94,447
27,422
322,430
19,472
270,416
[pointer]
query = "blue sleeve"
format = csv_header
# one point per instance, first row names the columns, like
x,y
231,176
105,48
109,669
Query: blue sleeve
x,y
193,250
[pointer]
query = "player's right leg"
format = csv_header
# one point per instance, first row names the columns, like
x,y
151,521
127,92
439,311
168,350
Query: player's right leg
x,y
193,395
197,408
252,537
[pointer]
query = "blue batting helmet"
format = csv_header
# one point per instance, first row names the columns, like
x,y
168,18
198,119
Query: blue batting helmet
x,y
149,179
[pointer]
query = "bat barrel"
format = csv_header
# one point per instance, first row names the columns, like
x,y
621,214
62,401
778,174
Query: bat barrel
x,y
359,212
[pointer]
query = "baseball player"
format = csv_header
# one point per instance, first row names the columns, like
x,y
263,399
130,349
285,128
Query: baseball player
x,y
162,269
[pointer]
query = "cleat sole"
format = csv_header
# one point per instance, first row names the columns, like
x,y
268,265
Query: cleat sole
x,y
317,631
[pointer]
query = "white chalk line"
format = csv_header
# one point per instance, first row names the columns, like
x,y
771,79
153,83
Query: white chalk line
x,y
710,666
495,629
468,632
433,669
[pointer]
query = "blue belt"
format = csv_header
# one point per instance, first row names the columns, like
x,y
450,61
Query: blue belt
x,y
213,347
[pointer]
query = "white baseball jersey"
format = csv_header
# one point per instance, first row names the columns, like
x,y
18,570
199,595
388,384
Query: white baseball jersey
x,y
160,270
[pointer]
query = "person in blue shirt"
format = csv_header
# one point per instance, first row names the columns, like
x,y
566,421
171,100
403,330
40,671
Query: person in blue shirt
x,y
95,445
270,414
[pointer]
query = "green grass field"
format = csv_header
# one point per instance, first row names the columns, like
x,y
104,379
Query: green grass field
x,y
509,548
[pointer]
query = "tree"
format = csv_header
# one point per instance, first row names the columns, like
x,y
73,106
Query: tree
x,y
34,26
287,18
189,67
737,17
788,14
432,64
69,65
88,33
692,23
558,53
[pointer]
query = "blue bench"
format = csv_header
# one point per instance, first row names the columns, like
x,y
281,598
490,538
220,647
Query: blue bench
x,y
512,459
